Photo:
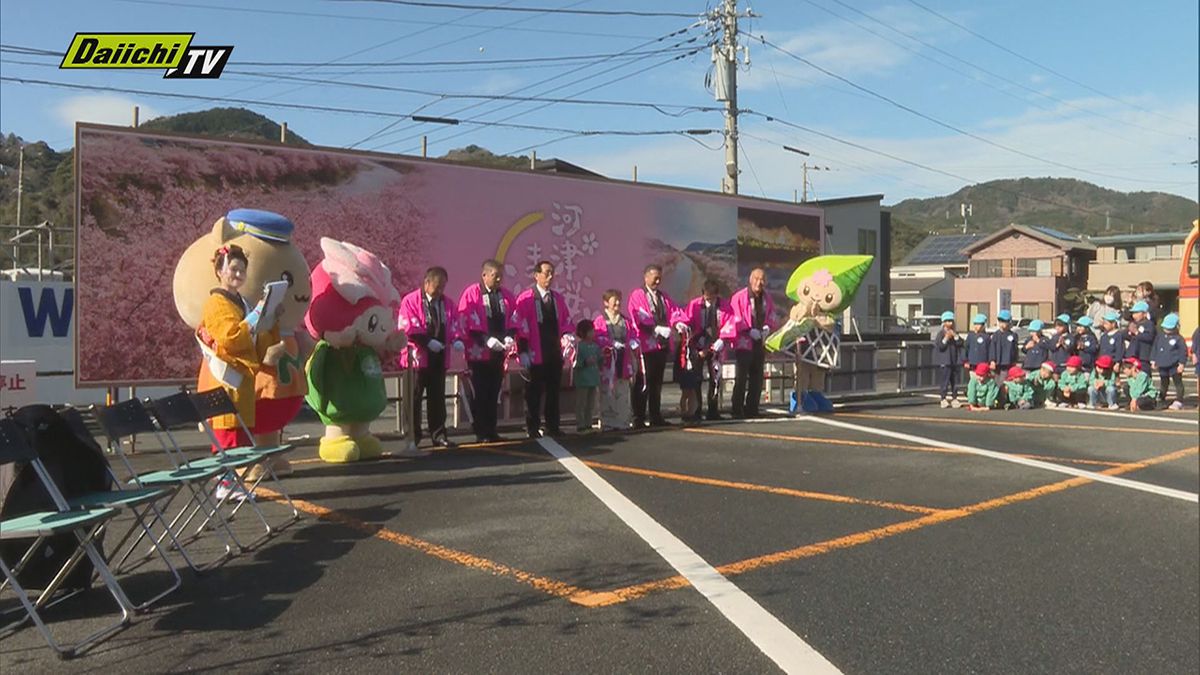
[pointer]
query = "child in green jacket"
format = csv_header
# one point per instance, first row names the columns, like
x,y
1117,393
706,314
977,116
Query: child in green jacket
x,y
982,391
1143,395
1073,384
1018,391
1044,386
1103,383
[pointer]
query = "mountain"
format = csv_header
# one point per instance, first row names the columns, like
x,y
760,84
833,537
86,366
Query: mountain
x,y
224,123
1066,204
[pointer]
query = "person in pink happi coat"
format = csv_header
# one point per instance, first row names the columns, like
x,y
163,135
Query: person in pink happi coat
x,y
711,321
485,310
543,325
653,314
431,324
752,322
614,335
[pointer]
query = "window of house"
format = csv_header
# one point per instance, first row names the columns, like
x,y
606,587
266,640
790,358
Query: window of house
x,y
974,308
1162,252
1025,310
872,299
1144,254
1032,267
866,242
1125,254
986,268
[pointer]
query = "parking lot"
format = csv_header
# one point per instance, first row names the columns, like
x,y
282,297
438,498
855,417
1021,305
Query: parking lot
x,y
888,537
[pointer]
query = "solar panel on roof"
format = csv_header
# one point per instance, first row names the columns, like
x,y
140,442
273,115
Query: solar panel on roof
x,y
1057,234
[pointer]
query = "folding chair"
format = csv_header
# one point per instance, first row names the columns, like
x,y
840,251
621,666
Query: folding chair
x,y
85,524
139,502
130,417
177,410
214,402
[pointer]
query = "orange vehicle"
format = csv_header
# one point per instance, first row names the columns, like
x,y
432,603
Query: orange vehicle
x,y
1189,284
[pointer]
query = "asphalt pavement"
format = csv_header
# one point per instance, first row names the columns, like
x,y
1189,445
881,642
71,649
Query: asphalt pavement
x,y
889,554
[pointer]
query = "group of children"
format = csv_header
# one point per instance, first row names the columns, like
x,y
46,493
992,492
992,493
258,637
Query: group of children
x,y
1069,368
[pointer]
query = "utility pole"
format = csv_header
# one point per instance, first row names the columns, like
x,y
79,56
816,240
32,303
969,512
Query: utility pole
x,y
726,90
966,210
20,182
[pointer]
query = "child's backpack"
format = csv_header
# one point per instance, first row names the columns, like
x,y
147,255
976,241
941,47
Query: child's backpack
x,y
78,467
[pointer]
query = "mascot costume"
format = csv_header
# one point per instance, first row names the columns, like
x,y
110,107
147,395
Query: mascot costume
x,y
822,287
267,389
353,317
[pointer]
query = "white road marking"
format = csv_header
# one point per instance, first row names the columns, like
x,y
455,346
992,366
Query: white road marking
x,y
1005,457
1129,415
768,633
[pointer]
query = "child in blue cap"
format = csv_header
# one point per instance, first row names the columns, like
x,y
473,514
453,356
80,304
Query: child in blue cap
x,y
1169,357
947,355
1062,343
1112,340
1087,347
1036,347
1002,351
1139,338
978,344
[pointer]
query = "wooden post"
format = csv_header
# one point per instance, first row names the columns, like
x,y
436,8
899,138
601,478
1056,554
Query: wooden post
x,y
283,132
533,161
135,117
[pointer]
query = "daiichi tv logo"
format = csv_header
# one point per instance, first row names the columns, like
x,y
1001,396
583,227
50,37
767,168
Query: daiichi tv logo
x,y
172,51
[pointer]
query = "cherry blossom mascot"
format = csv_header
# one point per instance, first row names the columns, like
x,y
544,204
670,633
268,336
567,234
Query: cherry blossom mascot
x,y
822,287
352,316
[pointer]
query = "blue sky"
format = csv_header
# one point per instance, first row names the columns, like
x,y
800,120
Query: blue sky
x,y
1132,126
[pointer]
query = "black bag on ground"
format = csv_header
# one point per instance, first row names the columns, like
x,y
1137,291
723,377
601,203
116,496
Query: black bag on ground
x,y
78,467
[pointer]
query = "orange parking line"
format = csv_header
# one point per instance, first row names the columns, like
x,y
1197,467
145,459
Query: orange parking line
x,y
1028,425
898,446
559,589
742,566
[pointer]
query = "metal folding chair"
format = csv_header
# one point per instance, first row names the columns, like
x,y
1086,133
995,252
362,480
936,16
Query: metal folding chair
x,y
214,402
177,411
85,524
127,418
143,504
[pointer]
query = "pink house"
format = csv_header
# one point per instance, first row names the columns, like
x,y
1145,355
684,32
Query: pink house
x,y
1026,266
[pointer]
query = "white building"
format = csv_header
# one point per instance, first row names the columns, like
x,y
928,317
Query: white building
x,y
860,225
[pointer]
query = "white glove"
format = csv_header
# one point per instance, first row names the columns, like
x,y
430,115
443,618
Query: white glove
x,y
766,329
526,361
718,345
634,344
617,345
509,342
435,346
458,345
570,338
755,334
681,326
662,332
495,345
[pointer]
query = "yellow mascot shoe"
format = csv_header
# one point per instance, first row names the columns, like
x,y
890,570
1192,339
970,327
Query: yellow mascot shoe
x,y
369,447
339,450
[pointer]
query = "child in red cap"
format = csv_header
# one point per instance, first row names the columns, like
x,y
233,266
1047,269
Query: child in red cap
x,y
1018,392
982,391
1103,383
1142,393
1073,384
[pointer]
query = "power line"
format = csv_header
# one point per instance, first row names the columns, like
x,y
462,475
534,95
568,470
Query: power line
x,y
971,182
387,131
535,59
501,8
374,113
378,19
979,68
1044,67
941,123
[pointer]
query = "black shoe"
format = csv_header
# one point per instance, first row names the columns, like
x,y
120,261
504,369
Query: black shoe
x,y
443,442
533,435
555,433
660,422
639,423
481,439
714,417
494,438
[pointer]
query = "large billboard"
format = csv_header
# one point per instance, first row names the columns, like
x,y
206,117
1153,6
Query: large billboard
x,y
144,197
